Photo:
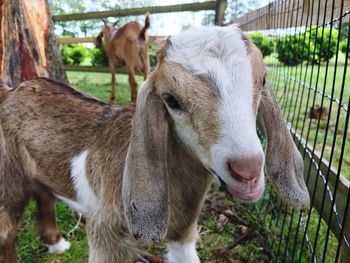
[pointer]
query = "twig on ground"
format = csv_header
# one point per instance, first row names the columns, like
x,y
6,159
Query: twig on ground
x,y
223,210
241,239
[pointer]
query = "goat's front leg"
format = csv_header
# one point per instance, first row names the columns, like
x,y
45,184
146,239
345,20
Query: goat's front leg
x,y
112,70
183,248
46,220
109,239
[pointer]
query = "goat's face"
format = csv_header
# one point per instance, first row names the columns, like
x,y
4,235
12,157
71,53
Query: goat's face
x,y
105,31
215,116
209,81
212,92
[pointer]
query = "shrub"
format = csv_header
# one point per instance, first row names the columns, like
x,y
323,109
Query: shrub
x,y
73,54
291,49
262,42
98,57
78,54
323,43
344,46
66,55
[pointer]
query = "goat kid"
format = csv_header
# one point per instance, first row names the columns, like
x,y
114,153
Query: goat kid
x,y
128,46
142,174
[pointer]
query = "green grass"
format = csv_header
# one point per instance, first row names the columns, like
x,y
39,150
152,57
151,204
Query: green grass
x,y
99,85
30,248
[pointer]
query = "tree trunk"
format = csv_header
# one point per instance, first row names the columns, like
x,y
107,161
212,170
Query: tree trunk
x,y
28,46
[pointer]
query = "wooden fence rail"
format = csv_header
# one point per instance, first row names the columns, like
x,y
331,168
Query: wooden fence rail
x,y
77,40
218,6
342,183
289,13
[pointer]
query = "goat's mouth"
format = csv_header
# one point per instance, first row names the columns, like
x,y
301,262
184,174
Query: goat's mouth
x,y
253,195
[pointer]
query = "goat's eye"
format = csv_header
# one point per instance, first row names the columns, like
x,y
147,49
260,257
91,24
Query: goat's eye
x,y
172,102
264,81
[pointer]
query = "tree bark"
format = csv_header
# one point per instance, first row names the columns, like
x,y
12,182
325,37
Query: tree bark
x,y
28,47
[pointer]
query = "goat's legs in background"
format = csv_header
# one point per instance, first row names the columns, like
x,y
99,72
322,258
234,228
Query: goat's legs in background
x,y
145,67
132,83
7,238
46,220
112,70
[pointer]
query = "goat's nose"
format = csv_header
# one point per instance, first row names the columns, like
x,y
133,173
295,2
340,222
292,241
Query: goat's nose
x,y
246,170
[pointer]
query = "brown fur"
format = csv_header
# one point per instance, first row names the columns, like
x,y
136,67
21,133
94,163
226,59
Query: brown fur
x,y
109,236
149,184
127,45
204,116
318,113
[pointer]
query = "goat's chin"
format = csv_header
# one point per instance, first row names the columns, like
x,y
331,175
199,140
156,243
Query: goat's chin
x,y
248,197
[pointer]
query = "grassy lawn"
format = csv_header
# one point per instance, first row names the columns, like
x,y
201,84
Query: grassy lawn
x,y
99,85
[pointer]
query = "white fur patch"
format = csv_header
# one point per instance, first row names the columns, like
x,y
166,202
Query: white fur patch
x,y
182,253
86,199
61,246
220,55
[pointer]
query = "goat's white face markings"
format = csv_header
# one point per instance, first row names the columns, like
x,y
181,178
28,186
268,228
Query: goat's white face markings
x,y
182,252
221,57
86,199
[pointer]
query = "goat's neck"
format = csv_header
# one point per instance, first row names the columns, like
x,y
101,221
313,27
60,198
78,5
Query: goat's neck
x,y
108,154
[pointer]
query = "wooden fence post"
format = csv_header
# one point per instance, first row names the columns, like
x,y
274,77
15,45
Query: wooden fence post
x,y
345,253
220,12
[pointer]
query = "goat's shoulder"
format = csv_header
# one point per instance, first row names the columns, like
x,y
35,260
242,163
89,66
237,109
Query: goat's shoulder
x,y
48,96
44,88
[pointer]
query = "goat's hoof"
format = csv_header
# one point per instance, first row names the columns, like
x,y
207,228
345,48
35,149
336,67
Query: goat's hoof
x,y
60,247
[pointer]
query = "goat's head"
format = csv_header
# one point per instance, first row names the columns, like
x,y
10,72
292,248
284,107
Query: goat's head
x,y
107,27
210,84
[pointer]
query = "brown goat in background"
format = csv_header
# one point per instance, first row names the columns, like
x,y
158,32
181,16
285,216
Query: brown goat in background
x,y
318,113
127,45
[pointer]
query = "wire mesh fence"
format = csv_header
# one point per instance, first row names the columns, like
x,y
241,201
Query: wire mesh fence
x,y
308,70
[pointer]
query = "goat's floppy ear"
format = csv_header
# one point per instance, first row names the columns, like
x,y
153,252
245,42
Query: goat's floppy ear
x,y
98,40
145,182
284,163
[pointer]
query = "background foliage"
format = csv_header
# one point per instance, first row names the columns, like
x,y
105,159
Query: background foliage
x,y
264,43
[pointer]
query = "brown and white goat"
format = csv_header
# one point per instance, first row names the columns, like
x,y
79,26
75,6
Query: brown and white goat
x,y
143,173
128,46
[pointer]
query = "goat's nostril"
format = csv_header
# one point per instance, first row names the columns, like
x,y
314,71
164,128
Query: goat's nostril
x,y
246,170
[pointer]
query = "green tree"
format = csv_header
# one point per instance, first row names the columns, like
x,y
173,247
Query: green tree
x,y
324,42
291,49
262,42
